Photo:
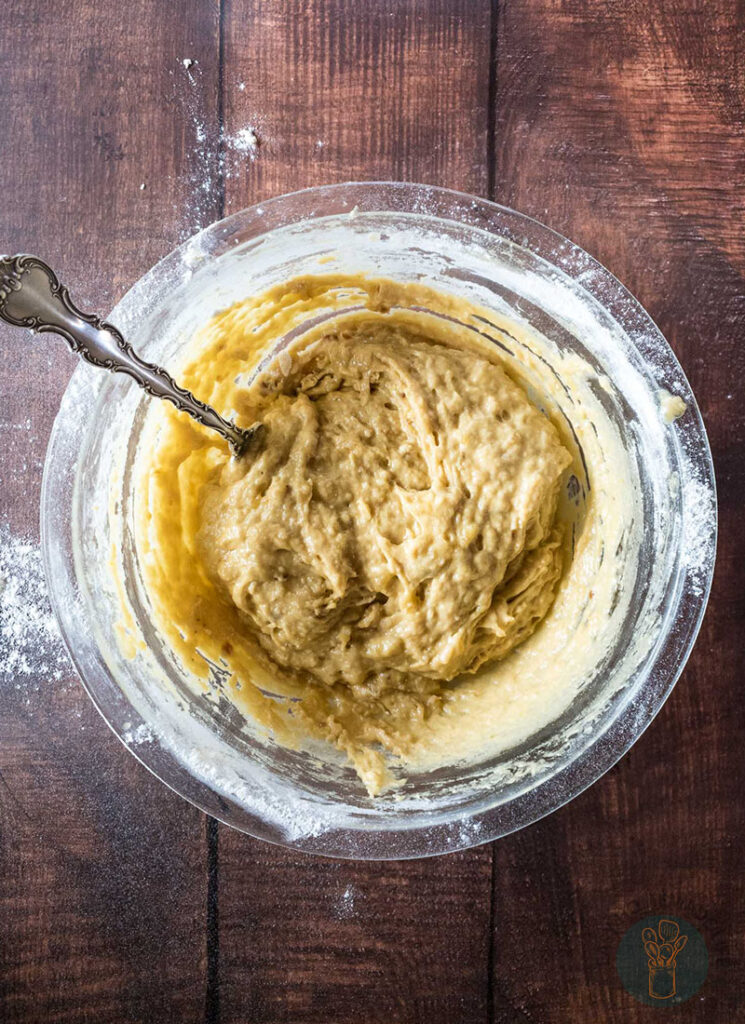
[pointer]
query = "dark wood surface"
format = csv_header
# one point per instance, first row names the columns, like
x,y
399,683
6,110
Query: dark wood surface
x,y
619,123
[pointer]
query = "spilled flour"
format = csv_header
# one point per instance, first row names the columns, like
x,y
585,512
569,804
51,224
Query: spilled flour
x,y
345,905
139,735
217,156
31,648
246,142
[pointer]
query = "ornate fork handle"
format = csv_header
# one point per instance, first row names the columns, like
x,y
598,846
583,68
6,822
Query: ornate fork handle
x,y
32,296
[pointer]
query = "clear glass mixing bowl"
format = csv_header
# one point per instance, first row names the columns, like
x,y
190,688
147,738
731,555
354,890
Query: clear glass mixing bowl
x,y
203,749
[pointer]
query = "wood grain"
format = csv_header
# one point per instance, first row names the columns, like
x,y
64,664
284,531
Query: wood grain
x,y
102,870
621,125
307,939
337,91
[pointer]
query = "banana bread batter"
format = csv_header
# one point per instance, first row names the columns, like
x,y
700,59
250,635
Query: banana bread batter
x,y
397,526
393,530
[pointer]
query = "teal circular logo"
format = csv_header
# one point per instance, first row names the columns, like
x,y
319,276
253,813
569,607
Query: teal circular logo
x,y
662,961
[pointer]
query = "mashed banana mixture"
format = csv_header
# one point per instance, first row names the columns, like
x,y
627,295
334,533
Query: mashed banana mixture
x,y
394,530
396,527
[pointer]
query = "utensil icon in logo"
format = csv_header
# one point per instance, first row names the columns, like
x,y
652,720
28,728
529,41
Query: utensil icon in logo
x,y
662,960
667,930
662,948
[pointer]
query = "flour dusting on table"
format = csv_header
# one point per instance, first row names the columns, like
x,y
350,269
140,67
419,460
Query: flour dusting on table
x,y
31,647
218,155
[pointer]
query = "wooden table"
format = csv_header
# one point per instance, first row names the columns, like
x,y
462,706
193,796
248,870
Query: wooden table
x,y
619,123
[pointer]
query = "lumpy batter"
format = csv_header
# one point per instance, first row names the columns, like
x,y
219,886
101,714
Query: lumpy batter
x,y
394,529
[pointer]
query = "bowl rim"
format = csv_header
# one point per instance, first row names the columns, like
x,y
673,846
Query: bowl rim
x,y
604,750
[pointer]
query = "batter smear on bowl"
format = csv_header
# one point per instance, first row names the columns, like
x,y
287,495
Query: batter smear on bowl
x,y
394,529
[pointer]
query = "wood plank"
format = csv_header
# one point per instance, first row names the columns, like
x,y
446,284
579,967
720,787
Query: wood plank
x,y
309,939
340,92
621,126
102,870
337,91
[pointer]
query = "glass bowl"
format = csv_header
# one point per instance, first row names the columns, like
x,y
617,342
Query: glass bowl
x,y
202,748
